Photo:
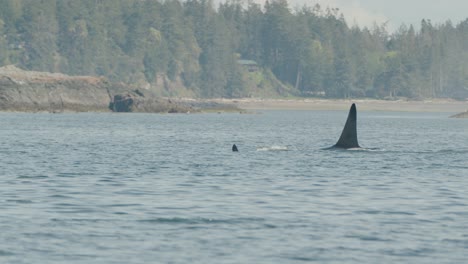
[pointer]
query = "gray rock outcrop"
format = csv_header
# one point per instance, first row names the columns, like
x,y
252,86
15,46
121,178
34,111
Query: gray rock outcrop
x,y
31,91
38,91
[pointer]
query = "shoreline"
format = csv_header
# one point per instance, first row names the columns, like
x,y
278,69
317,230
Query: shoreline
x,y
435,105
449,106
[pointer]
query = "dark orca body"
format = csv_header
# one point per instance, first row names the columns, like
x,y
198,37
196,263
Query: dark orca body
x,y
234,148
348,138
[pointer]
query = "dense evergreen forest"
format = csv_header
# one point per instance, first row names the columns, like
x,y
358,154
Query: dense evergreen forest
x,y
199,46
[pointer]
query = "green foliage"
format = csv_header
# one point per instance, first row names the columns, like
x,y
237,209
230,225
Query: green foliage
x,y
3,44
40,30
192,47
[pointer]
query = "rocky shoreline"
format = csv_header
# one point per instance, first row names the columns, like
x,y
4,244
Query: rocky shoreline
x,y
31,91
448,106
137,101
28,91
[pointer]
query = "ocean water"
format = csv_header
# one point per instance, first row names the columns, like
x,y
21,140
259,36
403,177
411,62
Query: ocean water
x,y
152,188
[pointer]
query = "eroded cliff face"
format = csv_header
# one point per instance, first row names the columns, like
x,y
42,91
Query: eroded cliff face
x,y
53,92
30,91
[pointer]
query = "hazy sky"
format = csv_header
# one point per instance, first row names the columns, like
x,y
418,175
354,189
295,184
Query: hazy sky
x,y
396,12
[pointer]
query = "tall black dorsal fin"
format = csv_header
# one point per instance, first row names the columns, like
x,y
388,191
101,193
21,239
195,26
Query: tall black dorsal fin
x,y
348,138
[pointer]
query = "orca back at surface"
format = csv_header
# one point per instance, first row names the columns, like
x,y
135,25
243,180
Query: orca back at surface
x,y
234,148
348,138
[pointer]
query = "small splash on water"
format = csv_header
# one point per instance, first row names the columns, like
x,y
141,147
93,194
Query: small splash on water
x,y
356,149
273,148
372,149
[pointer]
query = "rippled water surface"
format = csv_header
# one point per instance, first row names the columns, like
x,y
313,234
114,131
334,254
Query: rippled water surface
x,y
150,188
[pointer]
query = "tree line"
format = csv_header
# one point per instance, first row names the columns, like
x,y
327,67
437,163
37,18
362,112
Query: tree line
x,y
312,50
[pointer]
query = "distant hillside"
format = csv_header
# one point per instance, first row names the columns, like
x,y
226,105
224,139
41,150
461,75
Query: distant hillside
x,y
194,49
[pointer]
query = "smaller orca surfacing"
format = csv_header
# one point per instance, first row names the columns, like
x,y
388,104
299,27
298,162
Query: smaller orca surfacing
x,y
348,138
234,148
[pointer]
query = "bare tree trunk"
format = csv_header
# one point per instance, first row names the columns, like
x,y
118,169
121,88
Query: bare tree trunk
x,y
298,76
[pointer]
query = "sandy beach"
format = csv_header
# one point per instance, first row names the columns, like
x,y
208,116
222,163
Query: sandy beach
x,y
436,105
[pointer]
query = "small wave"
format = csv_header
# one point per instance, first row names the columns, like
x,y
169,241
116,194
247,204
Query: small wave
x,y
273,148
441,151
356,149
452,151
366,149
68,174
21,201
120,213
181,220
303,259
122,205
369,212
77,220
460,242
6,253
374,212
60,196
369,238
374,149
410,252
33,177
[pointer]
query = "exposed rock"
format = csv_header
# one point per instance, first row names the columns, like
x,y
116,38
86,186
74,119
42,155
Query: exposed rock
x,y
136,101
122,103
30,91
53,92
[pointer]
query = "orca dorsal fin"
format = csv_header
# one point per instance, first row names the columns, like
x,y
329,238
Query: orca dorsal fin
x,y
348,138
234,148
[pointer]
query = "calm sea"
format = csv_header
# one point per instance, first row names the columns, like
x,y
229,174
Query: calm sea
x,y
152,188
